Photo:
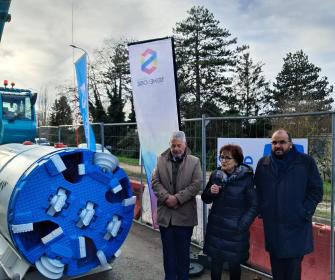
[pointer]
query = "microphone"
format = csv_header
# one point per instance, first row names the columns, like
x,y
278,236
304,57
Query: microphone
x,y
218,178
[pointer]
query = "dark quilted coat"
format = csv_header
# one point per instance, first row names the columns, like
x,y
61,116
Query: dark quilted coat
x,y
232,213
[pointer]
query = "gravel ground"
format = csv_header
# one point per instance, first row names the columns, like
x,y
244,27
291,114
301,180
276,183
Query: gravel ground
x,y
141,258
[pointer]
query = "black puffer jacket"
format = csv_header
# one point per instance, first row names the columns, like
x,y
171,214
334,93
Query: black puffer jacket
x,y
232,213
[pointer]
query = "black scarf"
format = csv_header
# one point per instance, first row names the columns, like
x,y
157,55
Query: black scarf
x,y
280,165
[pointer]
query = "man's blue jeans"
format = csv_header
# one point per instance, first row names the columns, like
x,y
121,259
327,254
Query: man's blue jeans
x,y
176,242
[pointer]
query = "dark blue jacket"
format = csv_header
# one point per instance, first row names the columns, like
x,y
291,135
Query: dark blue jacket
x,y
232,212
287,200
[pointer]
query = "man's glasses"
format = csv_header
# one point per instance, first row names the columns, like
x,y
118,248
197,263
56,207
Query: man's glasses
x,y
281,142
226,158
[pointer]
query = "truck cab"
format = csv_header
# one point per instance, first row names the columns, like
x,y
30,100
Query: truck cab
x,y
17,115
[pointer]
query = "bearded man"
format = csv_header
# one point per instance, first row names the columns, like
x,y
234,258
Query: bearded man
x,y
289,188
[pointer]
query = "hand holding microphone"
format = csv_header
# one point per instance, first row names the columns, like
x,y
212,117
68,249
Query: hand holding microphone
x,y
215,189
218,179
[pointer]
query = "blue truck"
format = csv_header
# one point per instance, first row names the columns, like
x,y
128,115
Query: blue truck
x,y
17,115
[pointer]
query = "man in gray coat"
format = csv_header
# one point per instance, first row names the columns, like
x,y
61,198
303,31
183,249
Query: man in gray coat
x,y
176,181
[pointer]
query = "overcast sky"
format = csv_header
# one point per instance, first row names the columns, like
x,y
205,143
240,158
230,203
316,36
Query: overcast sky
x,y
35,52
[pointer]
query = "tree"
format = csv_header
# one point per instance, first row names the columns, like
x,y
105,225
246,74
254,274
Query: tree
x,y
43,104
299,88
320,148
96,108
115,109
113,78
60,112
69,90
132,115
118,75
205,54
250,89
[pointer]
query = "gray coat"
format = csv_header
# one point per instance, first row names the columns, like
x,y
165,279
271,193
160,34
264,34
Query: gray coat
x,y
188,183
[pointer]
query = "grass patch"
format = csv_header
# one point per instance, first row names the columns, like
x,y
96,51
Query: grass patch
x,y
136,176
327,191
323,213
128,160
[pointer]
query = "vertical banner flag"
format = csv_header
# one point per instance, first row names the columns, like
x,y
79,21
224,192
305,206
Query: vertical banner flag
x,y
81,73
152,70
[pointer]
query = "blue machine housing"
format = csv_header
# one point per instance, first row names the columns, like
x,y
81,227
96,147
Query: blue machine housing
x,y
31,198
17,115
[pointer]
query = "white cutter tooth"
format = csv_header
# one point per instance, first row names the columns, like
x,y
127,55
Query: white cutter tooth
x,y
81,169
52,235
117,253
82,247
86,215
117,188
58,162
129,201
102,258
22,228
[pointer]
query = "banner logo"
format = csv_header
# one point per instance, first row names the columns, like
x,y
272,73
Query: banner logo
x,y
149,61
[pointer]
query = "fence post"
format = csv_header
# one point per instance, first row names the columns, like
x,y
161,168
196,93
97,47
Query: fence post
x,y
102,135
59,133
332,201
142,187
203,159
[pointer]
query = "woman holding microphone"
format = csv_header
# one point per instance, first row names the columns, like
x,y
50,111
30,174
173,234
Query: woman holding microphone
x,y
231,190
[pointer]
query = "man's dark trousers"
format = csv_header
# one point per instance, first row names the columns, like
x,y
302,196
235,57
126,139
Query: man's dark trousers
x,y
286,269
176,242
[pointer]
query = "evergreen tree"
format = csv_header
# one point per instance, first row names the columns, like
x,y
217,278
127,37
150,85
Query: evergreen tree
x,y
250,89
60,112
132,116
115,109
299,88
205,54
69,90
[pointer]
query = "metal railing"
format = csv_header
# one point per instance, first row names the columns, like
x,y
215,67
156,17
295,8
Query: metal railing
x,y
202,134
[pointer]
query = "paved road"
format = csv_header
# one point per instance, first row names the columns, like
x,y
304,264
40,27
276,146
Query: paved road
x,y
141,259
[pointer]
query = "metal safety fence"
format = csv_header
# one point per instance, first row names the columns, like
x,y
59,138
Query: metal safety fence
x,y
202,134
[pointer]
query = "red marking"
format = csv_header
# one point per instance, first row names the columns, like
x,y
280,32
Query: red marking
x,y
138,191
60,145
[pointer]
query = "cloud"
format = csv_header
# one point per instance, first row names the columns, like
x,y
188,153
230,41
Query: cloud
x,y
35,48
4,53
274,28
